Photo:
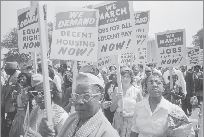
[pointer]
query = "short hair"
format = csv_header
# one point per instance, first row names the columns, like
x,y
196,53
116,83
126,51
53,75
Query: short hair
x,y
111,67
28,77
64,66
130,72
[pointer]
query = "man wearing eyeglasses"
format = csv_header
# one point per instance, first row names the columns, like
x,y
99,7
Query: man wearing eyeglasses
x,y
59,115
88,120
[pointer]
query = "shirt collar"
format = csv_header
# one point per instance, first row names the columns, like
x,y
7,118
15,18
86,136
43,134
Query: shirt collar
x,y
163,103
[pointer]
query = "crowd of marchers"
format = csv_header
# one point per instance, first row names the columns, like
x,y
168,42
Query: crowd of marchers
x,y
145,104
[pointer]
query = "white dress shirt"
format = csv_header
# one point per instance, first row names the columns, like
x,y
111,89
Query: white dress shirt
x,y
149,124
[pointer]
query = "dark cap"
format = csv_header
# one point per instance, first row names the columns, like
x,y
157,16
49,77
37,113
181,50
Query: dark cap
x,y
11,65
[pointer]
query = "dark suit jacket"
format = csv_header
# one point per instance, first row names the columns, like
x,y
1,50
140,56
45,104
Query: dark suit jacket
x,y
189,83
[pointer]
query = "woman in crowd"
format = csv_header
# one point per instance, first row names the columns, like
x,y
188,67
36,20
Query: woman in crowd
x,y
23,98
130,95
109,88
155,116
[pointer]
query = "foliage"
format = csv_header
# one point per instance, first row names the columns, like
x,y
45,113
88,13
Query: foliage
x,y
10,42
198,39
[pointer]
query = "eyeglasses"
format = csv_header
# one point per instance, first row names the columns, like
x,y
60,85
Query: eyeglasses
x,y
22,78
37,93
85,97
152,82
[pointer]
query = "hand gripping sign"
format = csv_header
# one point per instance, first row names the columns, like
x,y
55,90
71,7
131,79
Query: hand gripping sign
x,y
171,48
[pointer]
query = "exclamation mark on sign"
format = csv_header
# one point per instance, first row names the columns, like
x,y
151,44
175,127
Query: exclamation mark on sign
x,y
90,51
181,59
128,43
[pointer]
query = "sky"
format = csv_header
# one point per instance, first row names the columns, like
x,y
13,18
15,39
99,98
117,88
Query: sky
x,y
164,15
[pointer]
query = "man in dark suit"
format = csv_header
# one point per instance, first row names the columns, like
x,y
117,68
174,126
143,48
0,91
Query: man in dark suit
x,y
188,75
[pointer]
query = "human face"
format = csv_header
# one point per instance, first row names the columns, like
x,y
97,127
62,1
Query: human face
x,y
112,68
126,79
22,81
175,78
183,68
40,97
140,68
135,70
85,109
154,86
148,73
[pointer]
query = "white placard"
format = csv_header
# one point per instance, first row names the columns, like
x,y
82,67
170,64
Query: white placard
x,y
75,34
28,29
193,56
116,28
142,19
171,48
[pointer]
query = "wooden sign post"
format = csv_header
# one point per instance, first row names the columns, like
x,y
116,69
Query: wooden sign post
x,y
33,54
43,43
120,89
171,80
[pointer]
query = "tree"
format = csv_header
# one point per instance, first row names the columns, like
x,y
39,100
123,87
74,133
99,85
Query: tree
x,y
10,42
198,39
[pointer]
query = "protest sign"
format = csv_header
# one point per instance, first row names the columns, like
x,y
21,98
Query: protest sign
x,y
75,34
142,29
28,29
171,48
116,25
106,61
125,58
193,56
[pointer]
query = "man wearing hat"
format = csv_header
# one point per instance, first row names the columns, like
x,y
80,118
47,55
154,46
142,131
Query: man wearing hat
x,y
93,70
11,69
88,119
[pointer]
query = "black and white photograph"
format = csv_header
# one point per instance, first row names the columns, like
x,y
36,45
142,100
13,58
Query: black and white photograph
x,y
101,69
